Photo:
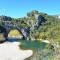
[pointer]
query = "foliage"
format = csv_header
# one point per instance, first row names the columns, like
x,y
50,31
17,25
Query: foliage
x,y
14,33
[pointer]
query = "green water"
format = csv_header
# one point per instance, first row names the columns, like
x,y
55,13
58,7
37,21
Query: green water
x,y
41,50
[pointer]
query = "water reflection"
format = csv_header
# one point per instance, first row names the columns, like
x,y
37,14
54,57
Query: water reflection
x,y
12,39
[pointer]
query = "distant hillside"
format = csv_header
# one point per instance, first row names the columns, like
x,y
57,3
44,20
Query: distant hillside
x,y
5,18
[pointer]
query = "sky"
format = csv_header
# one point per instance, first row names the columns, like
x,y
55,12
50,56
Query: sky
x,y
19,8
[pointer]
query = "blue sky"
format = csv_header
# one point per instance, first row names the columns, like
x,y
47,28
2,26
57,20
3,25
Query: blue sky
x,y
19,8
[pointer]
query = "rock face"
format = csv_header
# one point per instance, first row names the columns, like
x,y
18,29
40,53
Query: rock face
x,y
41,20
2,34
35,20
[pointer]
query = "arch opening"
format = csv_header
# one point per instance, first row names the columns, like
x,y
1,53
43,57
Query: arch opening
x,y
14,34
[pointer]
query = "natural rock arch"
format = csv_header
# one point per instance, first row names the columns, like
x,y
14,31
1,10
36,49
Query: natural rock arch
x,y
5,32
17,30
